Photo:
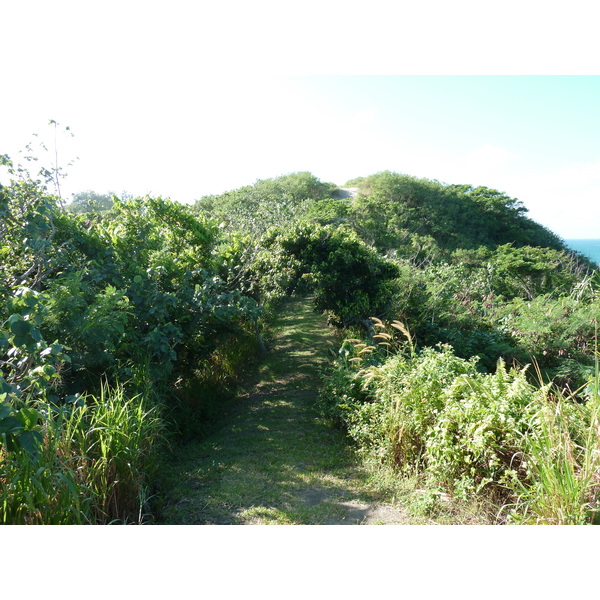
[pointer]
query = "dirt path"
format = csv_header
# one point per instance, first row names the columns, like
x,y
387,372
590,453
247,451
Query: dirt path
x,y
275,462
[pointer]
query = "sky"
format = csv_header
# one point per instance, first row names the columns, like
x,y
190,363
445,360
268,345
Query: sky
x,y
185,99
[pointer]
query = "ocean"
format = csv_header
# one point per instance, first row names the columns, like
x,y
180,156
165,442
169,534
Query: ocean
x,y
591,248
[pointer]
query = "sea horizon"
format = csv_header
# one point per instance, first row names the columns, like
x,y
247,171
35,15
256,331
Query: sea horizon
x,y
589,247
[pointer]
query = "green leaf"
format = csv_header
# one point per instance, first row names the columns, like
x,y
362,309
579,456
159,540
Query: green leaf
x,y
21,328
49,370
30,440
56,349
10,425
30,301
29,417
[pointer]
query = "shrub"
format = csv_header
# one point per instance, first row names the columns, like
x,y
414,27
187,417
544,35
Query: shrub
x,y
557,332
408,398
476,439
349,279
434,411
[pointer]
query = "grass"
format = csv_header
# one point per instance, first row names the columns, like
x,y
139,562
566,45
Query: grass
x,y
93,467
113,442
563,459
272,460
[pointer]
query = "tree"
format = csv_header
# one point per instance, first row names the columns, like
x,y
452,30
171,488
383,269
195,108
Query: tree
x,y
90,201
255,208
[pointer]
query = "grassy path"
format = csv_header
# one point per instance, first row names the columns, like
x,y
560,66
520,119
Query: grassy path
x,y
274,461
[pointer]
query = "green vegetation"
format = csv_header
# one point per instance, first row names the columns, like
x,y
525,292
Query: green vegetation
x,y
532,451
466,360
270,459
106,322
94,461
294,456
90,202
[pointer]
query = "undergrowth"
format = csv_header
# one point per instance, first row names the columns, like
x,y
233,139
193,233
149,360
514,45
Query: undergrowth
x,y
529,450
94,464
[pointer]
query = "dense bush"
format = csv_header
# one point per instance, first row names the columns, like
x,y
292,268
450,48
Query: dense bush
x,y
435,412
350,280
560,334
139,286
268,203
391,208
530,448
102,316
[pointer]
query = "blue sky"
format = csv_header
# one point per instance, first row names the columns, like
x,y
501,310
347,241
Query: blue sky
x,y
183,99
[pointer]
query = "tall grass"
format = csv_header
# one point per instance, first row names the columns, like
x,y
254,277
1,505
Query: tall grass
x,y
112,441
41,489
94,465
562,457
